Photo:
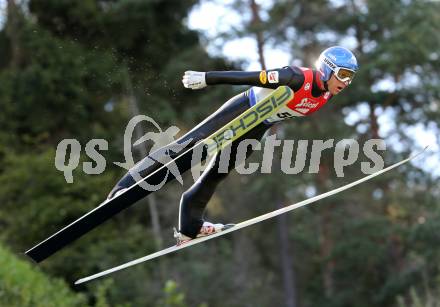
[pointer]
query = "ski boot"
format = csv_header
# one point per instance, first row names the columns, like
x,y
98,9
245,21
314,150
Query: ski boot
x,y
206,230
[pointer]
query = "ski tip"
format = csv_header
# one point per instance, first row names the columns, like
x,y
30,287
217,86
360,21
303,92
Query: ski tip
x,y
80,281
420,152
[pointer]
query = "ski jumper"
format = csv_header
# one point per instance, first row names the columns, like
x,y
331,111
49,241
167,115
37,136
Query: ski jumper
x,y
310,96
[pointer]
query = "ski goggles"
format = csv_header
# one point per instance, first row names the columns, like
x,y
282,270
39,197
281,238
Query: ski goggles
x,y
344,74
341,73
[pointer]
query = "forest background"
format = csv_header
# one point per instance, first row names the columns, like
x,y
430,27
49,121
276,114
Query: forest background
x,y
83,69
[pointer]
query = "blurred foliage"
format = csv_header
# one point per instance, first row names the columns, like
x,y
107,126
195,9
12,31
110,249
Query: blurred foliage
x,y
23,285
173,297
429,298
62,75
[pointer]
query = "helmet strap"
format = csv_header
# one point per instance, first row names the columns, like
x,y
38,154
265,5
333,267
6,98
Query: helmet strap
x,y
325,83
321,83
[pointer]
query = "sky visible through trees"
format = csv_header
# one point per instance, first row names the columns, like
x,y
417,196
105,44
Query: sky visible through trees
x,y
216,17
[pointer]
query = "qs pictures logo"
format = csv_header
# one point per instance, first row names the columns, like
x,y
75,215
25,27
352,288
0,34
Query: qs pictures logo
x,y
68,153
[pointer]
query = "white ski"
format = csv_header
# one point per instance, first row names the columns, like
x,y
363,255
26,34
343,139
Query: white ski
x,y
245,223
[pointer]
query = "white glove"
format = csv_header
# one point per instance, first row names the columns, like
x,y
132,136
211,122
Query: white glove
x,y
194,79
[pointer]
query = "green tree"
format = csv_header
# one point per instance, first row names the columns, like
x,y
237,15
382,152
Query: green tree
x,y
23,285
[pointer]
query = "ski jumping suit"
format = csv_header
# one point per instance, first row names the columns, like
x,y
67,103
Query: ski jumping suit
x,y
310,96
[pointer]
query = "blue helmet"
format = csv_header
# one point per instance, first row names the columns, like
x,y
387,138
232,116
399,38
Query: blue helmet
x,y
333,58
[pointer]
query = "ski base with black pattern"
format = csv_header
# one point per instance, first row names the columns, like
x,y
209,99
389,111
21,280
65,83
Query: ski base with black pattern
x,y
262,110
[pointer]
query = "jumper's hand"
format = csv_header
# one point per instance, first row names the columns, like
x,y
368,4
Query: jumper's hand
x,y
194,79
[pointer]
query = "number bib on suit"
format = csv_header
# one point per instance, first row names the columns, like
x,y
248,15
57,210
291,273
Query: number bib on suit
x,y
302,104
